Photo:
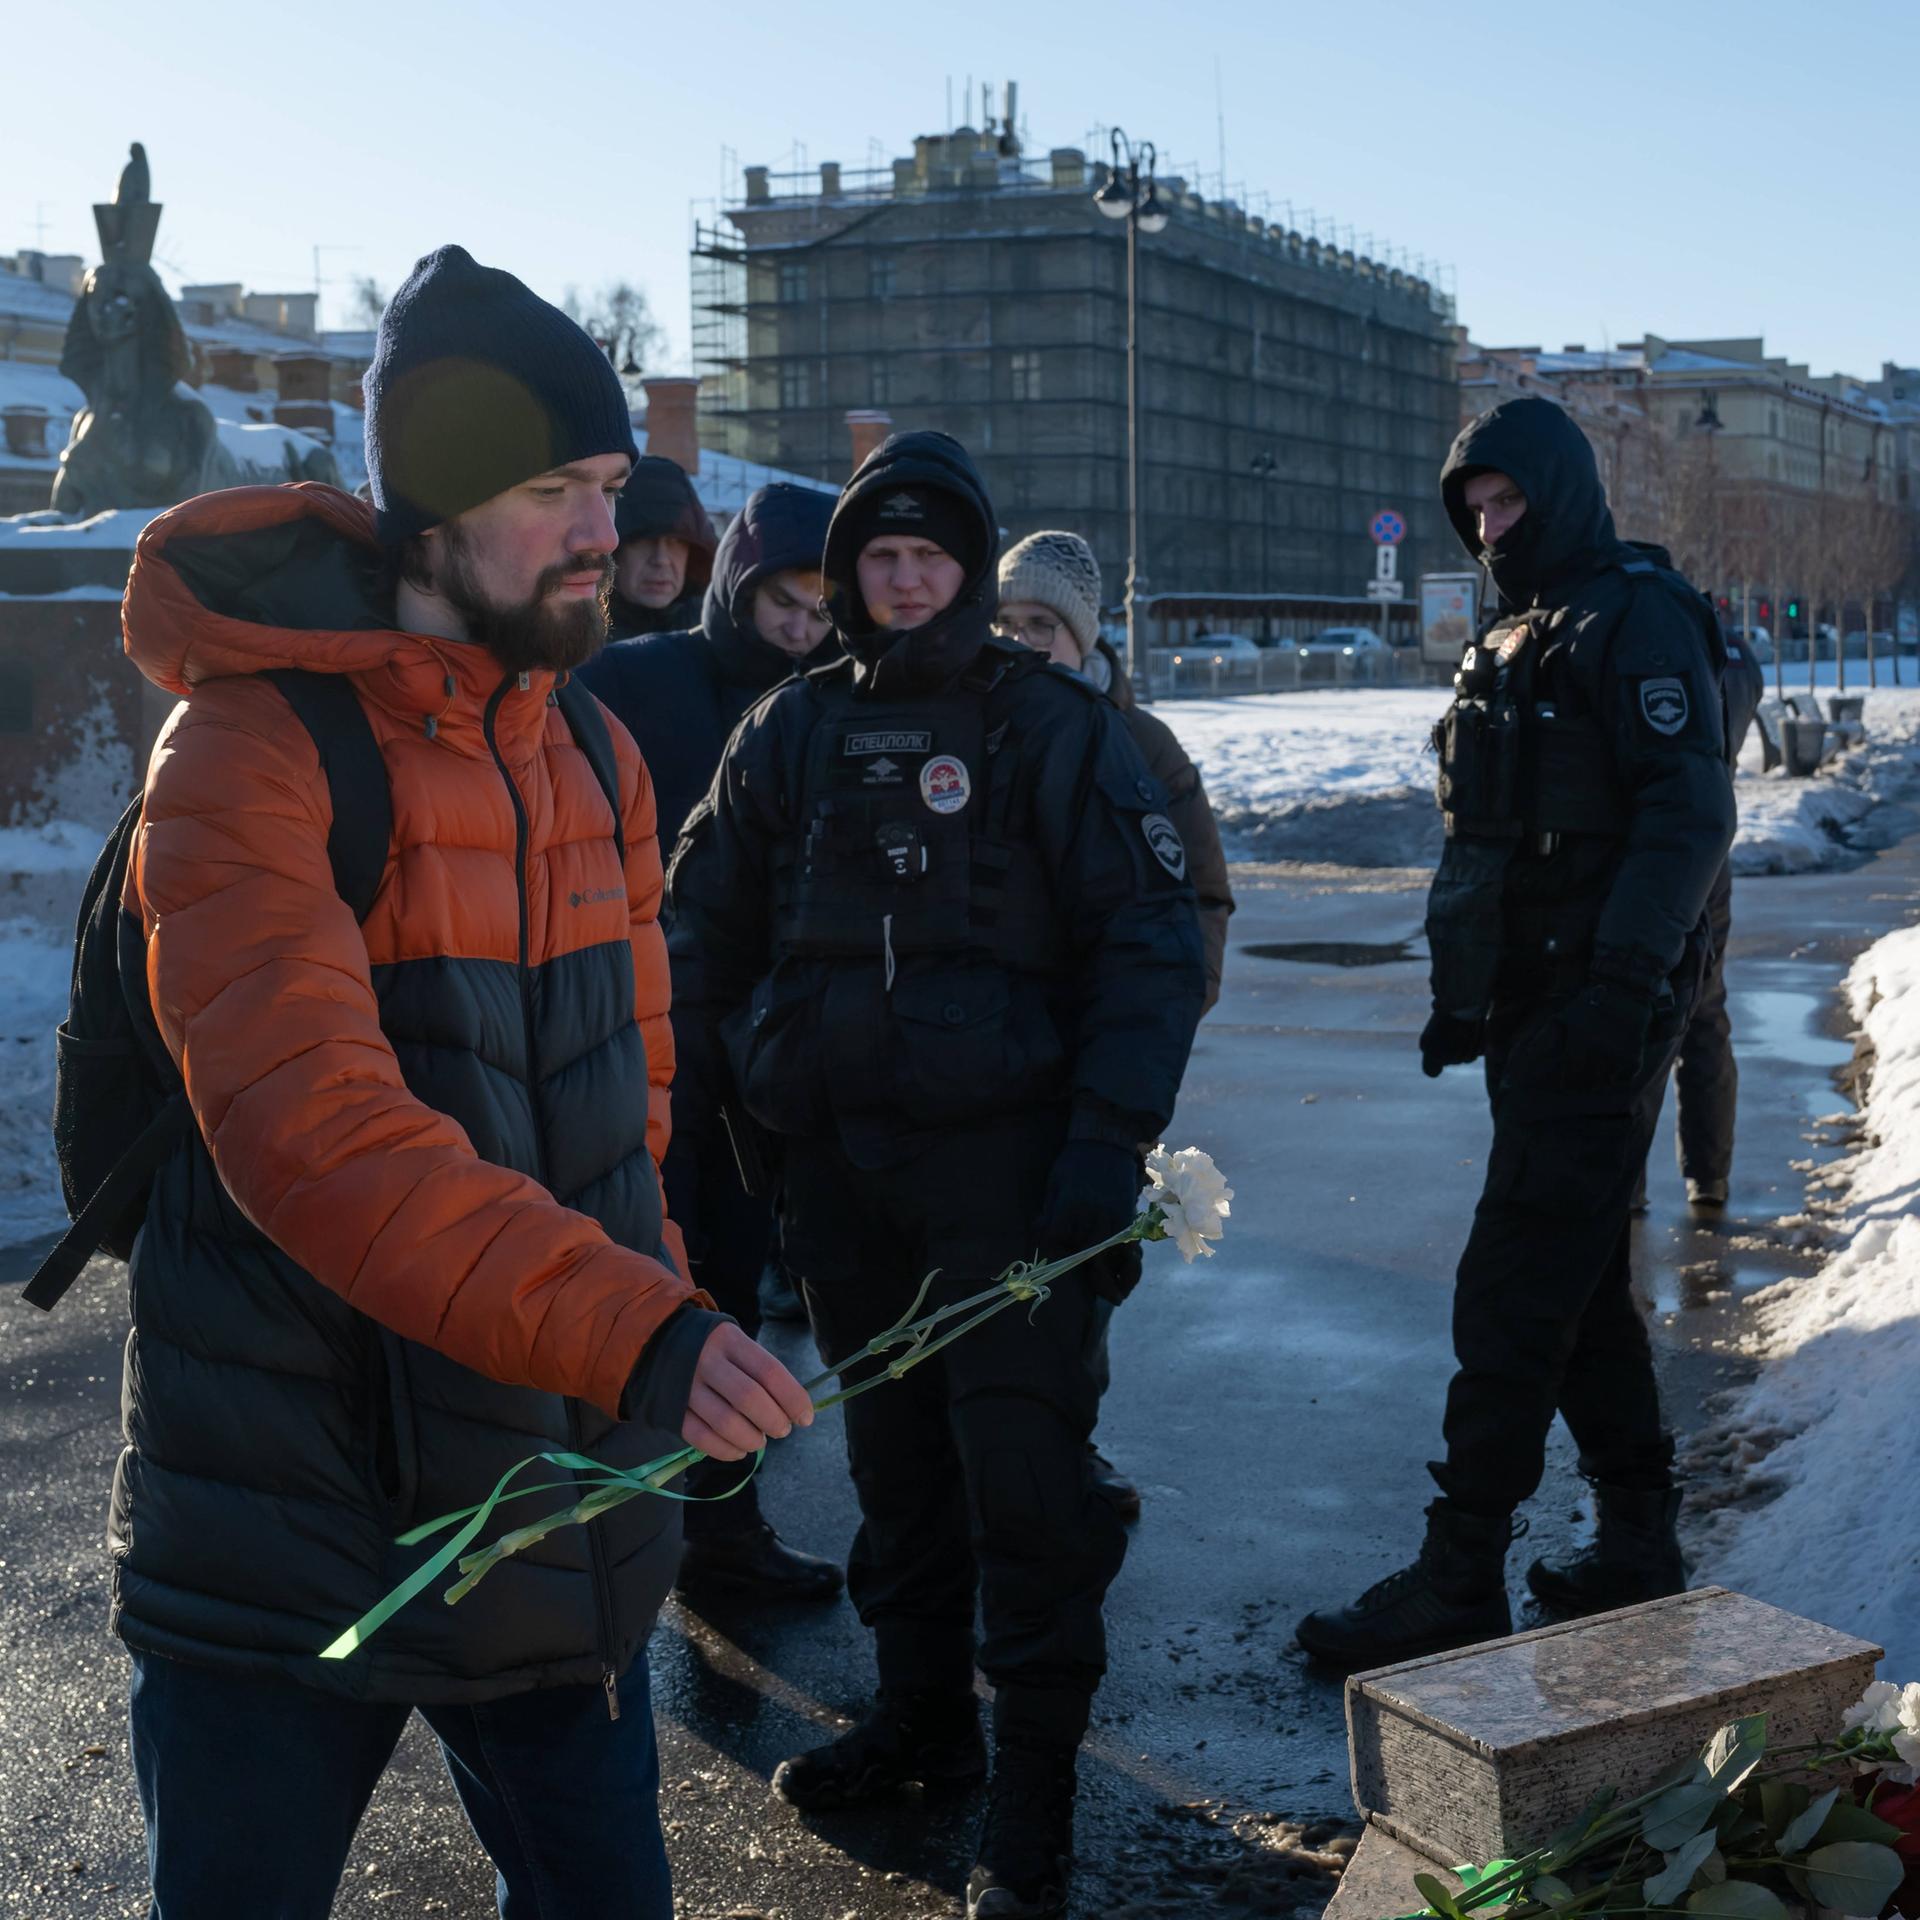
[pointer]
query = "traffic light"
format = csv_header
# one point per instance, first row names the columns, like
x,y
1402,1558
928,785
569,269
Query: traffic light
x,y
1793,609
1766,609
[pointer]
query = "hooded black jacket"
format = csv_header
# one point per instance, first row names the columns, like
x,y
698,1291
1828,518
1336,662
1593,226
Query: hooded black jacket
x,y
681,694
658,501
889,1055
1627,650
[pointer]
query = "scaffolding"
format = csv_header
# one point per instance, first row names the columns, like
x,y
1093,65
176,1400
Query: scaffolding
x,y
1291,386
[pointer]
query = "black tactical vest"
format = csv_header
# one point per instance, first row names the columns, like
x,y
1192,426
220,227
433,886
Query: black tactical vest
x,y
909,839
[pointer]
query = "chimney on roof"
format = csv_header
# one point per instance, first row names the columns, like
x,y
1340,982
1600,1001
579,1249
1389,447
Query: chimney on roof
x,y
868,427
673,422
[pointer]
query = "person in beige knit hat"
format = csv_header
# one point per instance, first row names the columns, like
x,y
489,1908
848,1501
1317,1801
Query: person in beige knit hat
x,y
1050,601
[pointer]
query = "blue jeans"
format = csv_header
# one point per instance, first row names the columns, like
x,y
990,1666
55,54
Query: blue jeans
x,y
252,1787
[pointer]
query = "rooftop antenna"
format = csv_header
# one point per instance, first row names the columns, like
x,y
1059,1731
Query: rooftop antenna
x,y
1220,120
949,103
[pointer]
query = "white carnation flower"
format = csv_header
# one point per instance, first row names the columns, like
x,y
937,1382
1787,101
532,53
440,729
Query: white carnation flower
x,y
1193,1195
1906,1728
1877,1710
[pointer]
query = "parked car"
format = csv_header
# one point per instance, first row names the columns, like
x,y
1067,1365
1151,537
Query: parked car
x,y
1884,645
1344,653
1227,656
1757,641
1351,641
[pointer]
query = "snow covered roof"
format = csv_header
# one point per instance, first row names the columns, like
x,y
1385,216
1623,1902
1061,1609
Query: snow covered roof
x,y
725,480
24,299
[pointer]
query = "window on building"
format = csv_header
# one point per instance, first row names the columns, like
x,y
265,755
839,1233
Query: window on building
x,y
880,276
796,384
1026,376
793,281
16,701
880,384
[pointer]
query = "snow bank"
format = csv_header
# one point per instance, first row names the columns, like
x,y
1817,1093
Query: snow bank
x,y
33,1001
1840,1538
1346,775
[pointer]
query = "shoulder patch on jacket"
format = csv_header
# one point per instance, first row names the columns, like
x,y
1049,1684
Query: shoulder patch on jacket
x,y
1164,842
1664,705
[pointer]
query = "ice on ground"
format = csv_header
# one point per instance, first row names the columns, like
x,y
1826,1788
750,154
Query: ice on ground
x,y
1345,775
1840,1540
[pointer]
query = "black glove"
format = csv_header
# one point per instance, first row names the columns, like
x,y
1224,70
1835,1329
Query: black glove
x,y
1116,1273
1604,1037
1448,1041
1091,1194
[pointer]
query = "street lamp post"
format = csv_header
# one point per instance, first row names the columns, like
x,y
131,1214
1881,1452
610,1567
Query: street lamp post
x,y
1129,195
1266,465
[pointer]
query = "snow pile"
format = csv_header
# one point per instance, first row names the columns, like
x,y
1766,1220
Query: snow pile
x,y
33,1001
1787,826
1840,1540
1342,775
1346,775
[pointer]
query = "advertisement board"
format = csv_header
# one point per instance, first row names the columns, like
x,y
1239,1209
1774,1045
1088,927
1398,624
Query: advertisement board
x,y
1449,610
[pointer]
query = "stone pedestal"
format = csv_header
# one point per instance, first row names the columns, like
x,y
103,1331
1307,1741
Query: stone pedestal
x,y
1484,1752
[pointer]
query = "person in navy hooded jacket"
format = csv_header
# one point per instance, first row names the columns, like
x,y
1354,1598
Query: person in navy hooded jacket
x,y
680,695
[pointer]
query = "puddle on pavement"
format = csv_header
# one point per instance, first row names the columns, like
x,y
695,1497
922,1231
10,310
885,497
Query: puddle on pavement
x,y
1333,953
1781,1024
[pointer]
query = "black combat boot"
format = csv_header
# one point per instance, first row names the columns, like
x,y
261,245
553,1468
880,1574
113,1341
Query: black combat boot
x,y
933,1738
1113,1486
1453,1595
753,1563
1025,1856
1635,1556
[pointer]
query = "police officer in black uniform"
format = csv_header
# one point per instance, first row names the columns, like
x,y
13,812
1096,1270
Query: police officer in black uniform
x,y
935,911
1588,807
1706,1077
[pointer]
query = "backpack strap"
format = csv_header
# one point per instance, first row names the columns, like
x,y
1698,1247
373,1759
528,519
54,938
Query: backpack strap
x,y
131,1174
584,714
356,775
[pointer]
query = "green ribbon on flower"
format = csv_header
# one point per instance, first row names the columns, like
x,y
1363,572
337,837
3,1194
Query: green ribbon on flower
x,y
1025,1282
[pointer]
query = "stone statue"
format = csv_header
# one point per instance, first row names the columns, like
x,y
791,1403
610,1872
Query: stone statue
x,y
142,439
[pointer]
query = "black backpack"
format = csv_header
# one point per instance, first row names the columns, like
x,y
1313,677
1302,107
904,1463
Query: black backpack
x,y
119,1104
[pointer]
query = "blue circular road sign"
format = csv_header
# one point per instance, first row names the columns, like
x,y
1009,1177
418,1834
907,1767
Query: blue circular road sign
x,y
1387,528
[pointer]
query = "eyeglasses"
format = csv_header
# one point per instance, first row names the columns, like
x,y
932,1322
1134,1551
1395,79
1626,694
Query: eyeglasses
x,y
1039,633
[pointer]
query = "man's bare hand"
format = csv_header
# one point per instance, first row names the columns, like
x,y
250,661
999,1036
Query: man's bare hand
x,y
742,1398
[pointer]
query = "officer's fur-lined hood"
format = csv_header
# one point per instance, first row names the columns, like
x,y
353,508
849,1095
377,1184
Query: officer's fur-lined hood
x,y
945,646
1567,530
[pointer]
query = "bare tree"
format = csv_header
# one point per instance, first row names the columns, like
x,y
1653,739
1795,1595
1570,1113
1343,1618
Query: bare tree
x,y
366,301
1882,552
621,321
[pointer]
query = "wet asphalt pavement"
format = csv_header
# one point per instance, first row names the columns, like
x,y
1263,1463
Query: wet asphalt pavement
x,y
1276,1405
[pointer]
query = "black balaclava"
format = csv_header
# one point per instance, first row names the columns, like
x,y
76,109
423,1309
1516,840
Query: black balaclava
x,y
1567,530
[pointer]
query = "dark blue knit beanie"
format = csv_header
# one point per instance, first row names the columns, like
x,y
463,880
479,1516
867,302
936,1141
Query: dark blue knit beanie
x,y
476,385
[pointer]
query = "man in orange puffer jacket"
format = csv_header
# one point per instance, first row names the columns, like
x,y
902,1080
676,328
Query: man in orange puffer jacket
x,y
417,1234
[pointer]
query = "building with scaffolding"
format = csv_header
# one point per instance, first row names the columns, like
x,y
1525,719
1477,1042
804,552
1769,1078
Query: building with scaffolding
x,y
1291,386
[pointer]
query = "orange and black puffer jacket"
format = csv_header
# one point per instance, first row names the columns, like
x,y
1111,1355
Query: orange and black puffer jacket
x,y
418,1234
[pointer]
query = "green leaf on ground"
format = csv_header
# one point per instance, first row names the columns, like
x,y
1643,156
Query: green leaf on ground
x,y
1738,1900
1854,1875
1848,1821
1781,1803
1434,1891
1736,1750
1666,1886
1800,1832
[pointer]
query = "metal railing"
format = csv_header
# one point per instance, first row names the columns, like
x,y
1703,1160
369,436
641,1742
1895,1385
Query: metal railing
x,y
1194,674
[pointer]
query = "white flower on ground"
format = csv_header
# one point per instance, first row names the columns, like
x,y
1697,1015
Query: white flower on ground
x,y
1193,1195
1878,1709
1906,1734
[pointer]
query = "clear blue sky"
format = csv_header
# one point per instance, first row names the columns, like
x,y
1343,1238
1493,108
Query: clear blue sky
x,y
1692,167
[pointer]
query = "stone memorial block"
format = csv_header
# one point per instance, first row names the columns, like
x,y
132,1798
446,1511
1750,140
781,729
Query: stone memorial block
x,y
1481,1753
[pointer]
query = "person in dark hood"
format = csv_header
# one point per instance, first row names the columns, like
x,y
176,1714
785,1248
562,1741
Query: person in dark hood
x,y
936,908
680,696
1588,807
1706,1077
666,551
